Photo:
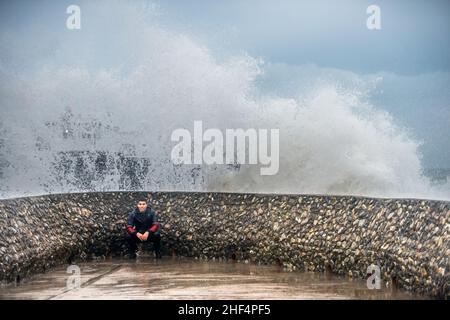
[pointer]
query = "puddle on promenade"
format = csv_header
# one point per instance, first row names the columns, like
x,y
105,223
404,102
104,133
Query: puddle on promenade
x,y
185,278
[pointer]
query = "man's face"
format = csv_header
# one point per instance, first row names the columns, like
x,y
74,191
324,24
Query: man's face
x,y
142,206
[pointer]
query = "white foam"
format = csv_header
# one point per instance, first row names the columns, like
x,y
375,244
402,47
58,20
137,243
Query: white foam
x,y
332,140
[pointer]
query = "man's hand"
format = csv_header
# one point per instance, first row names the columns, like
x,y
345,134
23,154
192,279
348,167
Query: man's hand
x,y
140,236
145,236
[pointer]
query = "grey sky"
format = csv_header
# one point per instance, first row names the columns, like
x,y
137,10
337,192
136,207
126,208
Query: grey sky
x,y
411,51
414,36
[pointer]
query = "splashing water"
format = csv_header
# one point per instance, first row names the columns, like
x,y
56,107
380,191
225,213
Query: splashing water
x,y
77,126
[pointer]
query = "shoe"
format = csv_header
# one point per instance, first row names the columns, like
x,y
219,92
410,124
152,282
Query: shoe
x,y
131,256
158,255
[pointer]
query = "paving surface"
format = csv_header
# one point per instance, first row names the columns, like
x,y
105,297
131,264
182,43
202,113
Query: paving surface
x,y
184,278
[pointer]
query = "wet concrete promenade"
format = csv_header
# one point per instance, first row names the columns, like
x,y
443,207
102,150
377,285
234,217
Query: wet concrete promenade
x,y
185,278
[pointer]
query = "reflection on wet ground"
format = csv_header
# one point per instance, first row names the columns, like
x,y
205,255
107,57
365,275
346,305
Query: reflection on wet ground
x,y
185,278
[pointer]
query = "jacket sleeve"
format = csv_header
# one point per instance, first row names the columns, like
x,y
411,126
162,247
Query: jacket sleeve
x,y
155,225
130,224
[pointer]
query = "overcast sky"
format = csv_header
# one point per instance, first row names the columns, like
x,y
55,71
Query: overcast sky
x,y
298,41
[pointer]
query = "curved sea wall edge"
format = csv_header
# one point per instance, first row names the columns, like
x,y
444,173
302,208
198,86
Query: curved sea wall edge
x,y
408,239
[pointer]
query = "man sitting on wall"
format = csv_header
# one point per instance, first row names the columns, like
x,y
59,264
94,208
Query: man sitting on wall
x,y
143,226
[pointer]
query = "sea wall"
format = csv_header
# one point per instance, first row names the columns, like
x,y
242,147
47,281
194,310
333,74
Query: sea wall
x,y
408,239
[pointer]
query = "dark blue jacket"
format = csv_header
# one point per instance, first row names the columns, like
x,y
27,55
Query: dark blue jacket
x,y
142,222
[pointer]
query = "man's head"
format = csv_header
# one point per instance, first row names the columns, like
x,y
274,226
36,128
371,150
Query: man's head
x,y
142,204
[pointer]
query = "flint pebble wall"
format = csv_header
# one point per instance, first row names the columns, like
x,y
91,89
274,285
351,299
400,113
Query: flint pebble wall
x,y
408,239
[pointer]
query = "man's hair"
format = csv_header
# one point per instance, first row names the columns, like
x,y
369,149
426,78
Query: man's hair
x,y
143,199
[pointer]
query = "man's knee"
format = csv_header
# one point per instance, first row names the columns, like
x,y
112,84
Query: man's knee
x,y
155,237
131,238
